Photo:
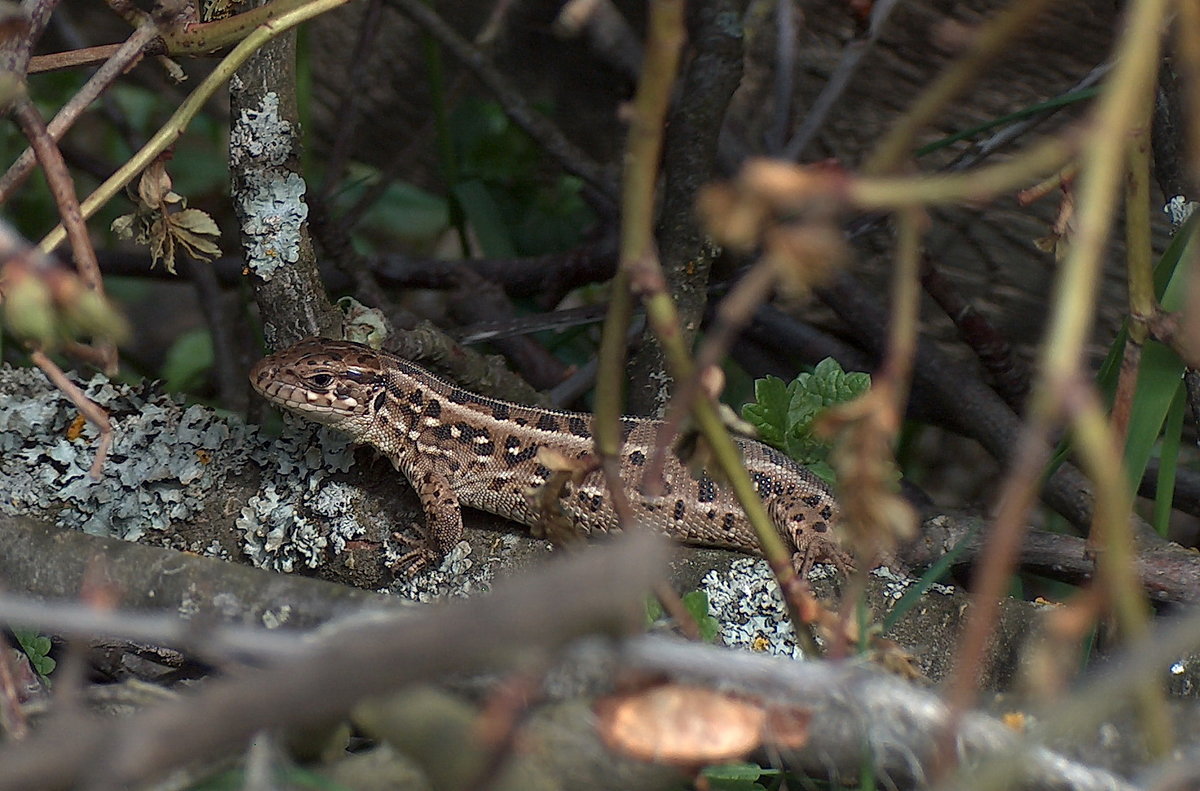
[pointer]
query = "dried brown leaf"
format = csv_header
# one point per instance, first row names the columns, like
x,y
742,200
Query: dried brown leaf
x,y
681,724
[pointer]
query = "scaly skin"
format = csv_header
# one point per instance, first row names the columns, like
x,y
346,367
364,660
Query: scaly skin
x,y
460,449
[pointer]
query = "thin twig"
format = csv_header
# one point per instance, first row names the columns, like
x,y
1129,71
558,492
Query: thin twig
x,y
14,53
993,38
835,86
1136,59
13,721
732,314
120,60
94,413
175,126
1117,576
350,106
516,106
643,152
62,187
983,183
1008,373
1143,305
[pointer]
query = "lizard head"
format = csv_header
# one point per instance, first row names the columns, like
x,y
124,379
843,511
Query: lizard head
x,y
337,383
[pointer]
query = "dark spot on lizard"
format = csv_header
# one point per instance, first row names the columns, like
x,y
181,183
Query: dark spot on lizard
x,y
711,514
820,527
579,427
637,458
727,522
811,500
500,411
433,408
441,432
798,518
467,433
520,421
462,396
416,397
497,484
707,489
548,422
380,400
453,465
513,459
511,442
485,448
542,471
597,501
627,427
826,512
679,510
762,482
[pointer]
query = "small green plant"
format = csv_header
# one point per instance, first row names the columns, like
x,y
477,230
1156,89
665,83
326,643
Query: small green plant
x,y
738,777
37,649
784,413
696,603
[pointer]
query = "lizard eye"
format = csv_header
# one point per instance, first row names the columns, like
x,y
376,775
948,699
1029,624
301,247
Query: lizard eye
x,y
321,380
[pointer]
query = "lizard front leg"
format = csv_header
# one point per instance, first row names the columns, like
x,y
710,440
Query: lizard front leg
x,y
810,533
443,527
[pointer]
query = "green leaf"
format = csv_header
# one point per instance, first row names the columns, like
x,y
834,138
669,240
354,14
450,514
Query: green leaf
x,y
403,211
1069,98
734,777
188,361
831,385
654,610
37,648
485,219
1164,497
696,603
768,413
1160,377
784,414
932,576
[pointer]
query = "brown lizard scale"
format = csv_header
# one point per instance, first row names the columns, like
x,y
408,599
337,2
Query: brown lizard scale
x,y
460,449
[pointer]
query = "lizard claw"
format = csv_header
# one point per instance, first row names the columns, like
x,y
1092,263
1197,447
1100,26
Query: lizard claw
x,y
811,550
421,557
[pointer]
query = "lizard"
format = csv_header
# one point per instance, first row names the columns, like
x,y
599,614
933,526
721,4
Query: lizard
x,y
458,449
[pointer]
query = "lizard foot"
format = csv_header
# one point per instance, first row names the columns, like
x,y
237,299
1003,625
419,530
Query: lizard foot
x,y
811,550
421,556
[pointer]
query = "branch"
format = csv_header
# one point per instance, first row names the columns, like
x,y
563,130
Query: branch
x,y
601,591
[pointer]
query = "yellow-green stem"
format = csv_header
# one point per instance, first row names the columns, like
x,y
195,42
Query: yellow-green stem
x,y
1133,76
990,41
1115,557
1138,251
175,126
664,321
1136,60
642,156
974,185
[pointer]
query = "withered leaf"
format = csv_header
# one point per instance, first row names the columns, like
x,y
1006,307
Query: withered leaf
x,y
680,724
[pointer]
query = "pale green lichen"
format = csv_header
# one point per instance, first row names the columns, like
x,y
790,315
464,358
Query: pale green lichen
x,y
269,197
166,464
160,469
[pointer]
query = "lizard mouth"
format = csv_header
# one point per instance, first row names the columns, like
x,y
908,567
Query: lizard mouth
x,y
321,407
